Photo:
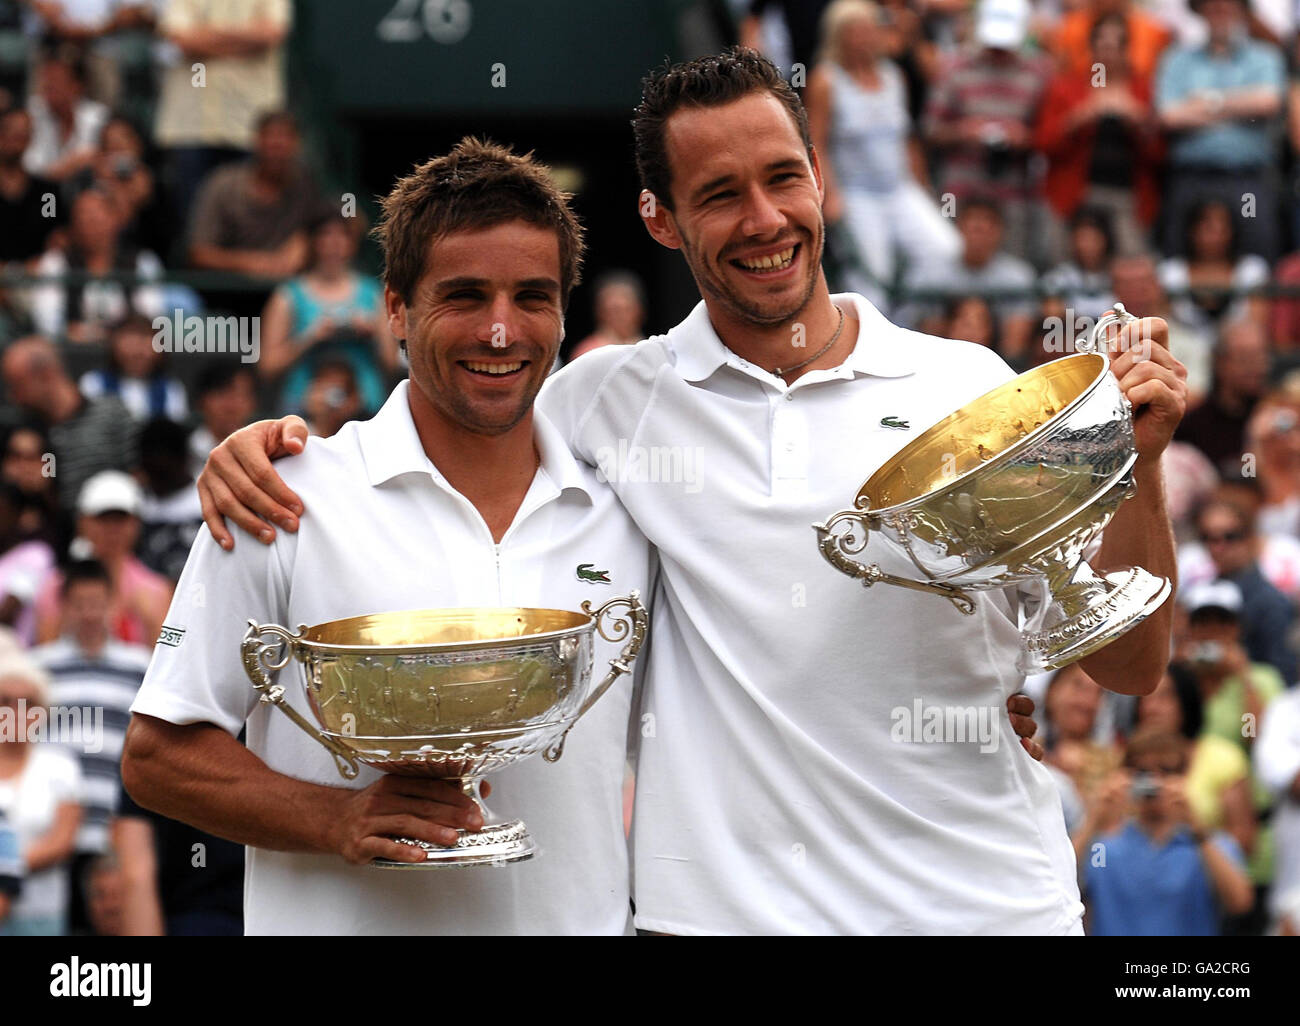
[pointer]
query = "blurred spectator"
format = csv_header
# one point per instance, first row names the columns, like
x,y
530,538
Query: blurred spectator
x,y
1273,435
89,669
332,398
1190,479
225,396
1284,311
65,125
1137,286
166,892
801,19
619,307
1266,614
1100,136
253,217
331,311
91,25
971,319
28,205
1218,425
979,123
1070,712
238,46
24,563
981,268
28,463
120,173
1211,279
1218,772
82,311
1083,280
873,167
40,786
1165,872
135,374
12,869
1278,554
1144,37
1223,104
108,525
170,514
1277,765
104,888
88,435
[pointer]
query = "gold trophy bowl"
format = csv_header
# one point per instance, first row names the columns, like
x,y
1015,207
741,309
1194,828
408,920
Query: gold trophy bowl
x,y
447,693
1011,487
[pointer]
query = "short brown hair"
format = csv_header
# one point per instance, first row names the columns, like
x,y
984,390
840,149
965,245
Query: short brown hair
x,y
478,184
704,82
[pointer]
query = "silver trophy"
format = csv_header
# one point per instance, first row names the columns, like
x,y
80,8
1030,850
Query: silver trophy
x,y
1013,487
447,693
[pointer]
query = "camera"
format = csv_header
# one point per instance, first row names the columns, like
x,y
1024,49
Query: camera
x,y
1145,786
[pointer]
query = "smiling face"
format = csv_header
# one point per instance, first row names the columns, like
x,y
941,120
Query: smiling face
x,y
484,324
746,208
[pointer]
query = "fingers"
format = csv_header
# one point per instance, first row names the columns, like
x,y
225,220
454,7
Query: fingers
x,y
226,483
1034,749
445,792
266,494
212,516
1145,337
291,438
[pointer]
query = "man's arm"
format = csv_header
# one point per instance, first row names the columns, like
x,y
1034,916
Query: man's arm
x,y
1140,533
199,774
133,842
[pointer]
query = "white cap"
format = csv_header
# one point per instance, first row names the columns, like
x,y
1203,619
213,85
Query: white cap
x,y
110,491
1002,23
1220,594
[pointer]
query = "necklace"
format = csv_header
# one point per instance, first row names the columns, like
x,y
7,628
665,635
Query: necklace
x,y
781,371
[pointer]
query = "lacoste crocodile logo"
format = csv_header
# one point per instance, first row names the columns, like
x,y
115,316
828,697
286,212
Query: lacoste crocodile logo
x,y
586,573
894,422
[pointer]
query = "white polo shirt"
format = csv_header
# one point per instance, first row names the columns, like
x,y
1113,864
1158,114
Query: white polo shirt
x,y
781,790
383,530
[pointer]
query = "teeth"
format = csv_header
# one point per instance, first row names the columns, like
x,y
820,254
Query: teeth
x,y
767,263
493,368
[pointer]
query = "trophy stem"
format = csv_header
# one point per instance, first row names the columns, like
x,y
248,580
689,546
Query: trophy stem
x,y
1088,612
499,842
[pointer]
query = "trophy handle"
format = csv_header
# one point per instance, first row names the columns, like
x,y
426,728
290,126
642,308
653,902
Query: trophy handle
x,y
635,621
1115,315
260,656
836,548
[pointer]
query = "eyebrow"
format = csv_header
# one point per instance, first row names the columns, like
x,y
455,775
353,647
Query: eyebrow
x,y
788,164
451,284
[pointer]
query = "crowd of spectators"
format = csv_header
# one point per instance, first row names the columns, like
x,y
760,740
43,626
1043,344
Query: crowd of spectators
x,y
999,171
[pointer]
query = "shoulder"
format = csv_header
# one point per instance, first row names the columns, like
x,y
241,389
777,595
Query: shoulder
x,y
1010,268
598,371
955,366
324,461
124,654
1221,758
1251,269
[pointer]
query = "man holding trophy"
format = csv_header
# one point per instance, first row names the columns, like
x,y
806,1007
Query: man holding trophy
x,y
777,792
455,495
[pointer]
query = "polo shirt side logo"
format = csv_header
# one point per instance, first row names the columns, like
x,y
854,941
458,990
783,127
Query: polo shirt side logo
x,y
172,636
894,422
592,576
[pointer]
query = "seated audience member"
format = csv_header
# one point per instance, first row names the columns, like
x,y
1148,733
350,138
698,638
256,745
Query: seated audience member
x,y
1210,280
981,268
120,173
86,435
82,311
1190,479
108,525
89,668
1273,435
1137,285
1278,554
1072,708
136,374
330,310
971,319
1218,425
27,461
1083,280
1149,865
619,308
65,125
225,397
170,515
29,205
1144,36
253,217
104,888
1277,767
24,563
332,398
40,789
1099,134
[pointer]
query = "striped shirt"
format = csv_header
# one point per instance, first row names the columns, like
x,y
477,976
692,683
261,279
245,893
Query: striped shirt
x,y
102,687
100,436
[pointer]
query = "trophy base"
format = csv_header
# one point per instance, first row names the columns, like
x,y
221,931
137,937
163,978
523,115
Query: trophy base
x,y
495,845
1130,597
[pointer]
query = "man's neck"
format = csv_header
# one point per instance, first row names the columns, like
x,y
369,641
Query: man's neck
x,y
91,645
1157,828
494,472
793,340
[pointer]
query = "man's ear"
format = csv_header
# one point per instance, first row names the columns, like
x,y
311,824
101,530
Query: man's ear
x,y
658,220
395,306
817,172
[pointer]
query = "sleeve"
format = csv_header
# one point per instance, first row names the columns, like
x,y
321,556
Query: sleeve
x,y
65,775
196,674
206,219
1276,753
573,395
1272,69
12,869
1227,844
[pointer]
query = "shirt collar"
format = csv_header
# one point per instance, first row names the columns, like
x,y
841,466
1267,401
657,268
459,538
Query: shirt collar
x,y
881,348
390,446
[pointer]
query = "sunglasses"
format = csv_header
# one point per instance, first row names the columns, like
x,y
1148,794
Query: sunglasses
x,y
1227,538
